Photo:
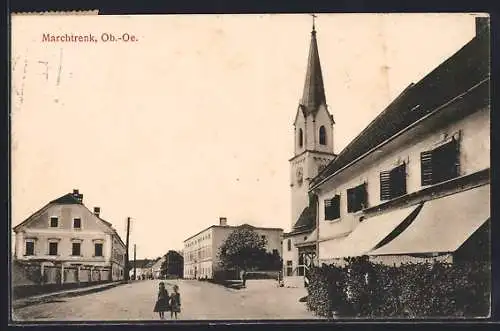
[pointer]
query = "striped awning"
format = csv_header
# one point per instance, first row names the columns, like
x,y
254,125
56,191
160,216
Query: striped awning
x,y
367,234
443,224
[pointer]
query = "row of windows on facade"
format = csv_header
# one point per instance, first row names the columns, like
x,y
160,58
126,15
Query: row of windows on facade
x,y
321,134
437,165
197,241
54,222
54,248
203,272
201,254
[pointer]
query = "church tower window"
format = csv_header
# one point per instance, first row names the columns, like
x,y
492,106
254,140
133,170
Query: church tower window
x,y
322,135
301,138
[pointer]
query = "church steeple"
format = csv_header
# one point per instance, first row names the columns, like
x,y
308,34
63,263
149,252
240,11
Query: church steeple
x,y
314,91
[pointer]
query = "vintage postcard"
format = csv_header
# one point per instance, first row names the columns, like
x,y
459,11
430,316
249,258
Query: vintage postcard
x,y
250,167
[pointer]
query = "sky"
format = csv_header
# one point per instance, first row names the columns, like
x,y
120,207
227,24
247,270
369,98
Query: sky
x,y
194,121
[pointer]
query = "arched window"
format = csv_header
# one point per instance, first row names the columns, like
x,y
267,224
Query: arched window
x,y
301,138
322,135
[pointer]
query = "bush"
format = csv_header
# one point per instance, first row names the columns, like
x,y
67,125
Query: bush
x,y
368,290
326,291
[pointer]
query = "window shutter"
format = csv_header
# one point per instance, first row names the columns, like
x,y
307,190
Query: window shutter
x,y
363,196
351,199
336,207
385,185
328,209
426,167
398,181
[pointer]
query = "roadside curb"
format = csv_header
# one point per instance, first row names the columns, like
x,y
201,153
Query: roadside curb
x,y
24,302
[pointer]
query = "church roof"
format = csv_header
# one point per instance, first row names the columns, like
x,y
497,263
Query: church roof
x,y
305,220
467,68
314,90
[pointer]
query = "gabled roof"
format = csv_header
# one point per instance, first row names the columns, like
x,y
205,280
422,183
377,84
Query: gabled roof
x,y
67,199
459,73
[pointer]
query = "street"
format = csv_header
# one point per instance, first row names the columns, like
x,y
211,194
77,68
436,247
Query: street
x,y
261,299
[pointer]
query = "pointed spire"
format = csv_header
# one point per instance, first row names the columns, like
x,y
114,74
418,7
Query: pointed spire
x,y
314,91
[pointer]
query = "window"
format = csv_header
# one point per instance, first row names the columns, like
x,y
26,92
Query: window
x,y
54,222
332,208
29,248
77,223
301,138
75,251
52,248
98,249
300,269
440,164
393,183
289,245
322,135
289,268
356,198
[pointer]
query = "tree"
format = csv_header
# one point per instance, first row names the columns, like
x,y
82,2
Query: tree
x,y
243,248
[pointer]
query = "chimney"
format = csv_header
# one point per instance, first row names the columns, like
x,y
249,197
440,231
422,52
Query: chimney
x,y
97,211
222,221
76,193
80,198
482,24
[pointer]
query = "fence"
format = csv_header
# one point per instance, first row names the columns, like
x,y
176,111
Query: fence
x,y
32,279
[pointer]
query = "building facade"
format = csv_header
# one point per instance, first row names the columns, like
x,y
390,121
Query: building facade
x,y
200,250
65,232
415,183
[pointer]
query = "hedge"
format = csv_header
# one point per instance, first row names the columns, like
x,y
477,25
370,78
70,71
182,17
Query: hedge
x,y
364,289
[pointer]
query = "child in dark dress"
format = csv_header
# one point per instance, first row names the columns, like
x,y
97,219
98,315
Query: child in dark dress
x,y
175,302
162,302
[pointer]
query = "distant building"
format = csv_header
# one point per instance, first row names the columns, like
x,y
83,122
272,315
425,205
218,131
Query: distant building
x,y
174,265
66,232
156,267
200,250
142,268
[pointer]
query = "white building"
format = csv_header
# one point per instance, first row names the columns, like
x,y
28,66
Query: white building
x,y
200,250
65,232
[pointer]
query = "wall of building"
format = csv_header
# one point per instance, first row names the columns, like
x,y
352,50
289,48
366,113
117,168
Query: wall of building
x,y
474,156
92,231
292,254
200,252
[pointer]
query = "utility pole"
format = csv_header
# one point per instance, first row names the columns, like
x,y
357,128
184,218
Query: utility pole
x,y
127,262
134,264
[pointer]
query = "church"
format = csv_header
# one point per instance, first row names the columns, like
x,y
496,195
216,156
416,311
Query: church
x,y
413,186
313,150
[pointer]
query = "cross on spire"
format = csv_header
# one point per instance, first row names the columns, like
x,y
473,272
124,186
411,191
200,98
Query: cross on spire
x,y
314,21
